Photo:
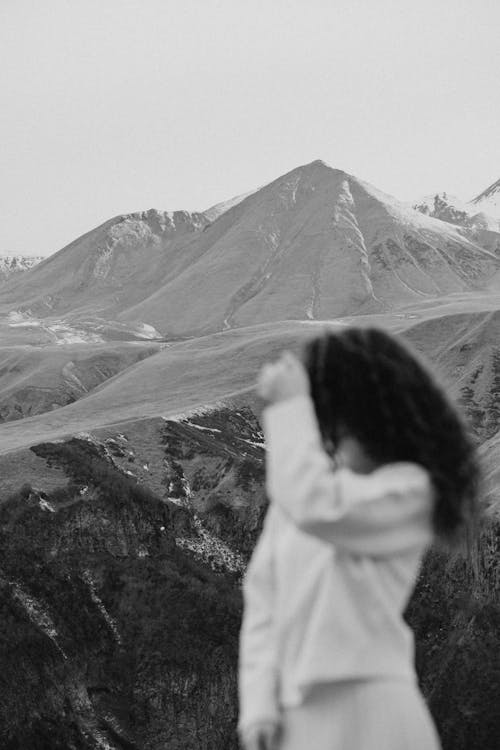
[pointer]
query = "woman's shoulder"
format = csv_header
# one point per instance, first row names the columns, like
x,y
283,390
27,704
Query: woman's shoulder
x,y
407,470
398,477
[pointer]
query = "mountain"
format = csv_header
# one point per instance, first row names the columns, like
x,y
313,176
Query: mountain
x,y
454,211
316,243
107,269
489,200
14,264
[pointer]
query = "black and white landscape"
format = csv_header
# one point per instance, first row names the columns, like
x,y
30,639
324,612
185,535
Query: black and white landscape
x,y
132,458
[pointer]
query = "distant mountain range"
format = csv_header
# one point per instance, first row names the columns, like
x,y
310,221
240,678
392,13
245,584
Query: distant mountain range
x,y
489,200
451,209
10,264
317,243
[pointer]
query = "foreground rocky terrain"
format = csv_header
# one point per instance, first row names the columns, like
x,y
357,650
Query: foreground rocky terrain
x,y
121,606
121,601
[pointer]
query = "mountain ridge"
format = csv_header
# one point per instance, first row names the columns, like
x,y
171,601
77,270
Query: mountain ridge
x,y
489,199
16,263
315,243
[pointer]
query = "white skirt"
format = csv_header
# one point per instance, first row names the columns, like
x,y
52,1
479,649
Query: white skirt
x,y
360,715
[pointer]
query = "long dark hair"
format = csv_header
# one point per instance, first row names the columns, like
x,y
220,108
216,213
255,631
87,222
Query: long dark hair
x,y
365,383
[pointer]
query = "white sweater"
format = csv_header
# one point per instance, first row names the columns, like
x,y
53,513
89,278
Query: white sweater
x,y
332,570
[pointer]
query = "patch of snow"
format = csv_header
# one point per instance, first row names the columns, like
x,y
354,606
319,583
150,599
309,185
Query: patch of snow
x,y
489,200
453,210
87,577
195,411
176,500
14,264
45,505
37,613
260,444
66,334
146,331
59,330
205,429
289,194
428,202
16,318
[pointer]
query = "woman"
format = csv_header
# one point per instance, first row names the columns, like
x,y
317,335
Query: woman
x,y
367,463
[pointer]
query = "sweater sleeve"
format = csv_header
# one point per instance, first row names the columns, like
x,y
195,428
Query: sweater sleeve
x,y
257,669
378,514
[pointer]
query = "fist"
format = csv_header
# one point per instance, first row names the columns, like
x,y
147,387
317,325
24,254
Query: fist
x,y
262,736
283,379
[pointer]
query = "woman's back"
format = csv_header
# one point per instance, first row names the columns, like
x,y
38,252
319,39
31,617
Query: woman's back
x,y
336,588
325,654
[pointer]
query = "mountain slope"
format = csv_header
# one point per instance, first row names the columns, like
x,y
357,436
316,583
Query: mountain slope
x,y
109,268
182,376
38,379
198,372
315,244
214,212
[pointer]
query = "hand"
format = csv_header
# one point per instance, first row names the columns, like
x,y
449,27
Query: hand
x,y
283,379
262,736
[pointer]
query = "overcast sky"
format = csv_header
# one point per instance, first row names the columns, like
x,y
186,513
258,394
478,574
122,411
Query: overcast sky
x,y
113,106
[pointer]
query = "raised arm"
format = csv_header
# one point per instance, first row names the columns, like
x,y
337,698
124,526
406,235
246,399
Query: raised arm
x,y
378,514
257,673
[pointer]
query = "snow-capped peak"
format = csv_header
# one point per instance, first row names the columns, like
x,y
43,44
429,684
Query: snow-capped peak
x,y
453,210
489,200
10,264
